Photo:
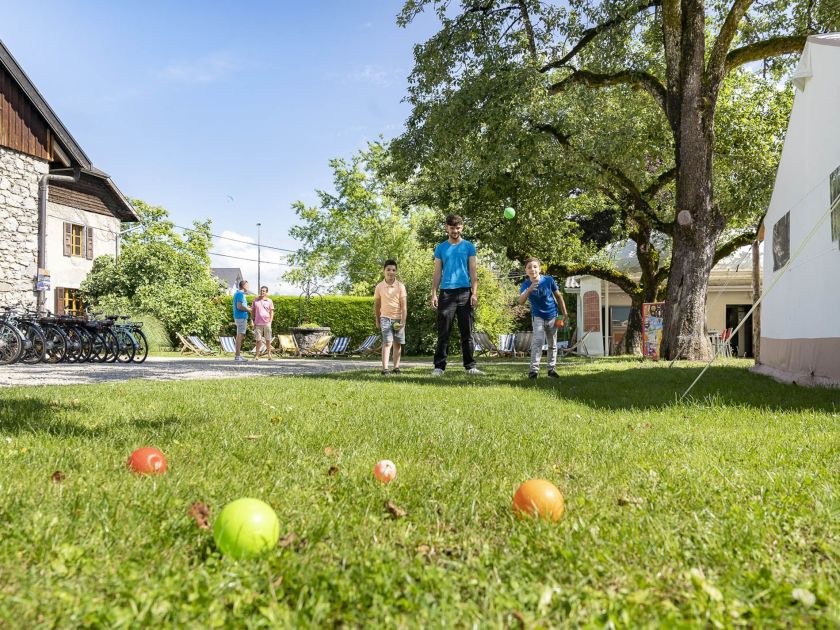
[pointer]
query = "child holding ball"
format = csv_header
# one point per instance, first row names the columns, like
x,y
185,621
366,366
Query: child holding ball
x,y
544,295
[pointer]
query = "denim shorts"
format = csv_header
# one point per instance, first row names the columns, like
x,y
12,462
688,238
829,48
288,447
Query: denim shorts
x,y
241,325
386,324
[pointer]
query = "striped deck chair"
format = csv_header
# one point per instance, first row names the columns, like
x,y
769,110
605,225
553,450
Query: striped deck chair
x,y
578,349
203,348
368,346
506,344
228,345
483,345
186,346
522,343
339,346
319,348
287,344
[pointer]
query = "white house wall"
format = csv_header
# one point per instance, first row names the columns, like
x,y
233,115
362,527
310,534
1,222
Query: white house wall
x,y
800,326
70,271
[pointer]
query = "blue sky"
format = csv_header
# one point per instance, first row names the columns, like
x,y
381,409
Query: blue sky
x,y
227,110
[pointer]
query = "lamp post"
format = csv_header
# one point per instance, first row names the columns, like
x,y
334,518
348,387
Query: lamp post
x,y
259,282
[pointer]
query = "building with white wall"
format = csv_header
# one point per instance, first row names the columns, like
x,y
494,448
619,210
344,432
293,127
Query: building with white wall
x,y
800,316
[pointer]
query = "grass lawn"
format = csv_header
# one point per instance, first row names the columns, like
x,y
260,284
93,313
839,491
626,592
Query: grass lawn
x,y
722,511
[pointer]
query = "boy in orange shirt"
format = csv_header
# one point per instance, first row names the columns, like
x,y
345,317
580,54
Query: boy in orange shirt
x,y
390,307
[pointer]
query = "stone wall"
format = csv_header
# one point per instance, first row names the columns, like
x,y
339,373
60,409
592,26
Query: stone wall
x,y
19,177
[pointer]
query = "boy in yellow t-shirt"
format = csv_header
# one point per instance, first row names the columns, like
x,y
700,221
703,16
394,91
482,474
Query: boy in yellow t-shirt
x,y
390,307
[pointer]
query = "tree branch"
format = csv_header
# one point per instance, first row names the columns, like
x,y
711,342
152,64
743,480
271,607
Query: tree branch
x,y
592,33
621,280
663,180
716,67
529,29
633,78
730,246
763,50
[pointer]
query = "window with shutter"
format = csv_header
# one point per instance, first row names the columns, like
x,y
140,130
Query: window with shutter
x,y
68,238
59,300
89,248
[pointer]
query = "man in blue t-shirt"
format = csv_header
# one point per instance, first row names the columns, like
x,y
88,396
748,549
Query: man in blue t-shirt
x,y
544,295
240,316
455,294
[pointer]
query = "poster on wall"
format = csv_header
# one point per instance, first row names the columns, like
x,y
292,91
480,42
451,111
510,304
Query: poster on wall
x,y
834,187
781,242
653,316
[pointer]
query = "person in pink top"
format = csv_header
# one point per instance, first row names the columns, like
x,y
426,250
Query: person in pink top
x,y
263,309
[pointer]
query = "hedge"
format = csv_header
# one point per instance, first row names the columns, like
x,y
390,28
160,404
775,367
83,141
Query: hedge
x,y
346,316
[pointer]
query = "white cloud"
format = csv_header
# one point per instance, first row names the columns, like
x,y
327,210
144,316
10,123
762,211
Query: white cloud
x,y
232,253
205,69
370,74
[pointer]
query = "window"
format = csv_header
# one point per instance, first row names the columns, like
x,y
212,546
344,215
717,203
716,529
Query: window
x,y
77,238
78,241
73,302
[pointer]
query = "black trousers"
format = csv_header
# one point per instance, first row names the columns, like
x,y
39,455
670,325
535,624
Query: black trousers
x,y
452,304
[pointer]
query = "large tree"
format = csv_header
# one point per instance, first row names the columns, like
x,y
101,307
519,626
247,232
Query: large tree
x,y
659,49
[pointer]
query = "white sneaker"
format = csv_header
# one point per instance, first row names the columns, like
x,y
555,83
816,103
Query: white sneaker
x,y
240,358
437,372
475,372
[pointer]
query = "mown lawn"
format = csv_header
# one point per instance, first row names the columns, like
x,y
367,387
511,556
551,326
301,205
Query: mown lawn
x,y
722,511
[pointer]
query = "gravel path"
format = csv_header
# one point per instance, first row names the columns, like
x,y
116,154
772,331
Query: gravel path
x,y
172,369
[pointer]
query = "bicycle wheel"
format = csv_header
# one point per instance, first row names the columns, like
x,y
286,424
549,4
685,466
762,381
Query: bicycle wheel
x,y
142,346
111,343
75,344
36,346
56,344
127,346
11,344
99,348
86,337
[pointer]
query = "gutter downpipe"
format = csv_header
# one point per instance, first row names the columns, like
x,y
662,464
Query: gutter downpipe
x,y
43,188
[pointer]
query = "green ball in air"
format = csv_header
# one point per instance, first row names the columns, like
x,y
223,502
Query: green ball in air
x,y
510,213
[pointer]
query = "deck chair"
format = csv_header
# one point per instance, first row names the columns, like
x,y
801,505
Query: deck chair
x,y
286,344
368,346
483,345
522,343
202,347
505,347
577,349
339,346
188,346
317,349
228,345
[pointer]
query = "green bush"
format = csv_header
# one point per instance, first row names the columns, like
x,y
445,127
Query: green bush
x,y
155,332
346,316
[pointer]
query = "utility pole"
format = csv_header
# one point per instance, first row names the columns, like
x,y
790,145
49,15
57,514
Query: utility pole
x,y
259,282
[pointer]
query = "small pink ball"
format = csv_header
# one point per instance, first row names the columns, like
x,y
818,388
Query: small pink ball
x,y
385,471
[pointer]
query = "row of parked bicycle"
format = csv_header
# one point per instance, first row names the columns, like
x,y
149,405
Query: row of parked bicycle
x,y
27,337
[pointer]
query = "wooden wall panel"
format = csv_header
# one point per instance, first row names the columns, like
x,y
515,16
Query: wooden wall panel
x,y
21,126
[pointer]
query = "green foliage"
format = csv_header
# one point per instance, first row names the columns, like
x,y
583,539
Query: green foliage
x,y
162,273
354,231
346,316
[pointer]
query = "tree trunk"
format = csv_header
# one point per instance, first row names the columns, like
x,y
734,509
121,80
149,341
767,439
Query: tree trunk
x,y
632,341
696,235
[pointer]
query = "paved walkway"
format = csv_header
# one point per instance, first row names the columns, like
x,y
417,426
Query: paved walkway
x,y
173,369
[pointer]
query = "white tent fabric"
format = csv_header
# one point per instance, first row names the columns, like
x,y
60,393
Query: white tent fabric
x,y
800,327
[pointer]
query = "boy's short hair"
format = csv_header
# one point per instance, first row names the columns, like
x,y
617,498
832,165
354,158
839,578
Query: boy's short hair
x,y
242,284
531,259
454,219
263,287
389,263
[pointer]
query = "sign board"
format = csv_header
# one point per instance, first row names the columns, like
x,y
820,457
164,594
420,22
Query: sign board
x,y
42,280
653,316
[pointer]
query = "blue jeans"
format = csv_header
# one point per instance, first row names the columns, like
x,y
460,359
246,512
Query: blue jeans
x,y
544,329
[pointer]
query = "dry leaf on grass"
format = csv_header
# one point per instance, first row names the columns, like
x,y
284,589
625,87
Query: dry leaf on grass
x,y
253,437
277,582
635,501
519,617
332,471
395,510
288,540
200,513
58,476
329,450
